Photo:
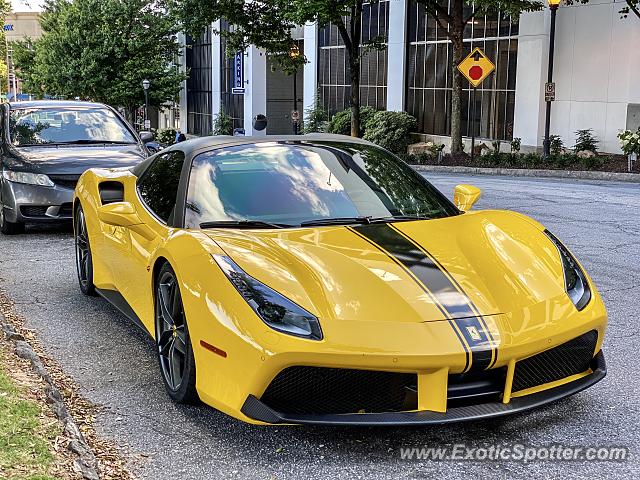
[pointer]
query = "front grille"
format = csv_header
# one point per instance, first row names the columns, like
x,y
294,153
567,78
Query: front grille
x,y
316,390
65,210
33,210
66,181
562,361
476,387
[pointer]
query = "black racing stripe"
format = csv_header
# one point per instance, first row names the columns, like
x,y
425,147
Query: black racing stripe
x,y
430,274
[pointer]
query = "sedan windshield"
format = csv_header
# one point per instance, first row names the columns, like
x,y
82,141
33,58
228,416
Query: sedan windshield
x,y
293,184
41,126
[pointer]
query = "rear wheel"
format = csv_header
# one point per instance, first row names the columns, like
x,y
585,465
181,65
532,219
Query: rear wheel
x,y
84,260
9,228
175,353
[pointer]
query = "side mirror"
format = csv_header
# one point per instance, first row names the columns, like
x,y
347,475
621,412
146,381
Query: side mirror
x,y
146,137
465,196
119,214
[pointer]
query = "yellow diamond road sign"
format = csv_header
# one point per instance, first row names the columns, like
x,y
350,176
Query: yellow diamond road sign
x,y
476,67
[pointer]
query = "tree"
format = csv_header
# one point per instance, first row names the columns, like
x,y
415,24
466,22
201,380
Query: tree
x,y
633,6
103,49
453,21
24,57
268,23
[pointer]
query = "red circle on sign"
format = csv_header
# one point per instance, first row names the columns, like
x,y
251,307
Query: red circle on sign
x,y
475,72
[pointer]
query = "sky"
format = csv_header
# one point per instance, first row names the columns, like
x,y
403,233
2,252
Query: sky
x,y
26,5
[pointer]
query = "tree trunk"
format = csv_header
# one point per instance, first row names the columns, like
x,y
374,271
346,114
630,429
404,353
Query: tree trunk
x,y
457,35
354,68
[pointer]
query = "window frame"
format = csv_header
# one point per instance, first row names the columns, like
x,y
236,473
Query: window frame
x,y
178,215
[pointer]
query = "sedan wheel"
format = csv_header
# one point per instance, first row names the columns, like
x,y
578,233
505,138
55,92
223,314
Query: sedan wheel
x,y
9,228
172,338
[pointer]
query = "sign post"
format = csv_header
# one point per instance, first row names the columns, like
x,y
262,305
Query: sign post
x,y
475,68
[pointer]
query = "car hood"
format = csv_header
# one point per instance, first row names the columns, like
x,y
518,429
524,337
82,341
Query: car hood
x,y
500,262
73,159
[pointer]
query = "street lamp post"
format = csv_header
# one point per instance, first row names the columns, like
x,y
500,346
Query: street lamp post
x,y
294,53
145,85
546,144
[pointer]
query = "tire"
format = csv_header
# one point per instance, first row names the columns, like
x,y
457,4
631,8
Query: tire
x,y
84,259
9,228
175,352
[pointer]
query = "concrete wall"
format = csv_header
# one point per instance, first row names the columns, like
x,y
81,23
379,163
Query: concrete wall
x,y
597,73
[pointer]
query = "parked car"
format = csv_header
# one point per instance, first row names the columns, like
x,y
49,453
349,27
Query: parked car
x,y
319,279
46,146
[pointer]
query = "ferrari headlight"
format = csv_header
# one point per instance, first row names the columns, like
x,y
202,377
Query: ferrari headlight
x,y
575,279
274,309
28,178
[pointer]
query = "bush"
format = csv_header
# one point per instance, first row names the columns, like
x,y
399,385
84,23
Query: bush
x,y
316,118
585,141
340,123
391,130
166,136
418,158
222,124
556,145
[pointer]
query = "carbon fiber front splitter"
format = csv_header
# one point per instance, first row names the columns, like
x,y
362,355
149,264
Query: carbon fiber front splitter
x,y
255,409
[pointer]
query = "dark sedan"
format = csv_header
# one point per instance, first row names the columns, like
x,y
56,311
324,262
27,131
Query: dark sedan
x,y
46,146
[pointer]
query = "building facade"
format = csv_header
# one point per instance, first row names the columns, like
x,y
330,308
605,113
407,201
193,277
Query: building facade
x,y
597,75
18,26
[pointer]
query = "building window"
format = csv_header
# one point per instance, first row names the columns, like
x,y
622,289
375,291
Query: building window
x,y
430,75
232,104
334,81
199,66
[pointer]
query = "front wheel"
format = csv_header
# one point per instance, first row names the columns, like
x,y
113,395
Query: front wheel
x,y
84,260
9,228
175,353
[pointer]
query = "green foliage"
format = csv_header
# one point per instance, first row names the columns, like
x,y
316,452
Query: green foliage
x,y
166,136
496,144
24,59
340,123
629,141
556,145
391,130
24,448
103,49
316,118
585,141
516,144
222,124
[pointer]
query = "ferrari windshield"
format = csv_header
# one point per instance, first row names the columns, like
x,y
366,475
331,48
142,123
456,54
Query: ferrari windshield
x,y
290,184
78,125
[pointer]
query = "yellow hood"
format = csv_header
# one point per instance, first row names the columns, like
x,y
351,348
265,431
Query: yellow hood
x,y
501,261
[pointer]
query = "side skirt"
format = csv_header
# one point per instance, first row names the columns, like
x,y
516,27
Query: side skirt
x,y
116,299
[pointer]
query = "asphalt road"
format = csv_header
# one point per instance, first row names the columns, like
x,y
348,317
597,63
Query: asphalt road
x,y
116,367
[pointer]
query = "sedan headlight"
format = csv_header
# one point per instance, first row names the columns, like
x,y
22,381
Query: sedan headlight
x,y
274,309
28,178
575,279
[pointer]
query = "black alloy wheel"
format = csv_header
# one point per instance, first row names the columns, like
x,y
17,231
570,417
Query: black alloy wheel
x,y
172,339
84,260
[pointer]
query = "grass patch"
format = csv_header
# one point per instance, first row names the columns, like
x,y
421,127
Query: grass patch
x,y
25,452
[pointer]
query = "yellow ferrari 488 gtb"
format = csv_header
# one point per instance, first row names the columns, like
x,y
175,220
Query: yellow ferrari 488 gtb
x,y
319,279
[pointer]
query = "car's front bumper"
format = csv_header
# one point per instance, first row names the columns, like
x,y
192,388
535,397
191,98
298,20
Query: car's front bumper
x,y
256,410
25,203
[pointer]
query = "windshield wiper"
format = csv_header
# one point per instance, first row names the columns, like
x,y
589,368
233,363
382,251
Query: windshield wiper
x,y
364,220
242,224
92,142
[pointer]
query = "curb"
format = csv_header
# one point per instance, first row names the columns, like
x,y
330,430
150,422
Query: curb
x,y
86,463
517,172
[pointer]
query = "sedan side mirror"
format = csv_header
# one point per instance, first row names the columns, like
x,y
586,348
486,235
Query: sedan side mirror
x,y
146,137
119,214
465,196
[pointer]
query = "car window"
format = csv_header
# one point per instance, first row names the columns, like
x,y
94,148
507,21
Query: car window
x,y
41,126
158,186
295,183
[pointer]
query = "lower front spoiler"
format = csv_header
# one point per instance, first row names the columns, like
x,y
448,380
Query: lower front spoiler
x,y
255,409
